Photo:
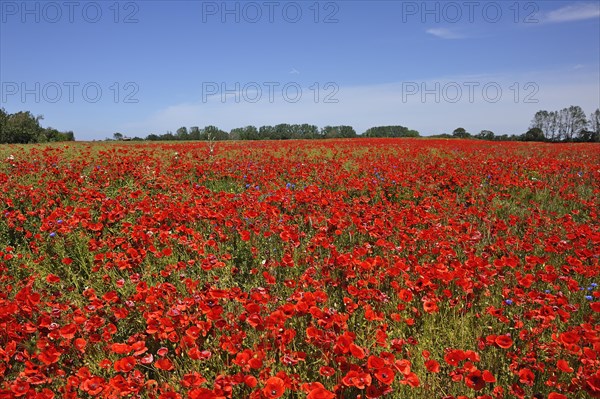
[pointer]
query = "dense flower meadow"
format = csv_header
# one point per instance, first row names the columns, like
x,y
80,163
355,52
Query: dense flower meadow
x,y
367,268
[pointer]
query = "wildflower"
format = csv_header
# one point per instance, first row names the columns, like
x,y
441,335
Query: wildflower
x,y
274,387
504,341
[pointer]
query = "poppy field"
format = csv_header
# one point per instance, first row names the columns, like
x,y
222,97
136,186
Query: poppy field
x,y
365,268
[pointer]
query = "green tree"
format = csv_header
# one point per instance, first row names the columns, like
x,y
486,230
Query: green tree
x,y
485,135
391,131
308,131
346,131
282,131
3,122
195,133
168,136
182,134
22,128
244,133
534,134
330,132
266,132
594,132
460,132
595,121
214,133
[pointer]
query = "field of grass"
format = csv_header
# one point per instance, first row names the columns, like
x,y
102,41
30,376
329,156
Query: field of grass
x,y
392,268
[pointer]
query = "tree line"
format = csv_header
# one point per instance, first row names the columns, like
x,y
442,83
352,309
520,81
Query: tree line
x,y
283,131
568,124
23,128
565,125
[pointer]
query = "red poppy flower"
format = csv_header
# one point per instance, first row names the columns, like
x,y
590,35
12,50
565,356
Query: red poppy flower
x,y
526,376
68,331
274,387
504,341
488,376
164,364
403,366
432,366
569,338
125,364
454,356
357,379
93,386
474,380
320,393
169,395
19,388
430,306
592,385
120,349
357,351
564,366
411,379
250,381
385,375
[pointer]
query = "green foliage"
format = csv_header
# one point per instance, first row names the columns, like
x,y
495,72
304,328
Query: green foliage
x,y
568,124
23,128
195,133
333,132
391,131
485,135
534,134
461,133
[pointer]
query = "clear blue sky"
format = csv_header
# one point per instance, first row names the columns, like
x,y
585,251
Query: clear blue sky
x,y
431,66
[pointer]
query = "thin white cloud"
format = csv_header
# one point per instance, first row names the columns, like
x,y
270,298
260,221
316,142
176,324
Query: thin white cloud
x,y
430,106
445,33
573,12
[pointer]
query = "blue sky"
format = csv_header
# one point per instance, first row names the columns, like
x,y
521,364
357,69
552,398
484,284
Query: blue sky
x,y
141,67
